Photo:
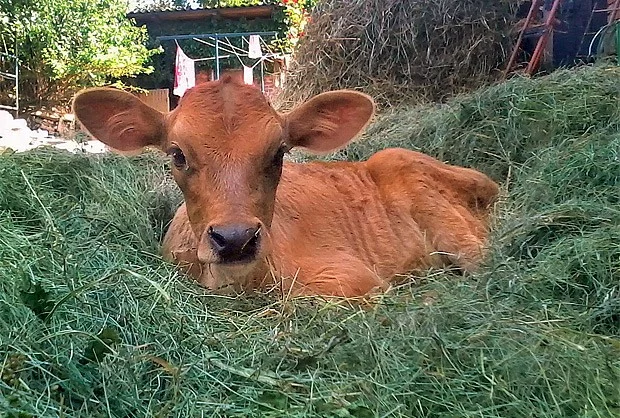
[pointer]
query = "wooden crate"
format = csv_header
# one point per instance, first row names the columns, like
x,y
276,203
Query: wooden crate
x,y
158,99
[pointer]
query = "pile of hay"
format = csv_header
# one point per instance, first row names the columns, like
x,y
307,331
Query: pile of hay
x,y
497,129
401,51
92,323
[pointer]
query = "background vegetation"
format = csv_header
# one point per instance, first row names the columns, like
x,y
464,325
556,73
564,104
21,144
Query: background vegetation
x,y
92,323
65,45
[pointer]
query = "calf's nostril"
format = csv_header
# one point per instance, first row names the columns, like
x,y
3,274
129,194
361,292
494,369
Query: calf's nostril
x,y
253,235
217,239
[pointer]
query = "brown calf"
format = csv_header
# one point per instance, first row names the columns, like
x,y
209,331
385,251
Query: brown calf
x,y
251,220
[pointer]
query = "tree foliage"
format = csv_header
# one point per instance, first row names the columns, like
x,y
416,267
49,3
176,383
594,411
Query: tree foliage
x,y
169,4
64,45
290,19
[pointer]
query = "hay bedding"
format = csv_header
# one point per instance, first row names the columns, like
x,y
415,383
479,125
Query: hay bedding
x,y
401,51
93,324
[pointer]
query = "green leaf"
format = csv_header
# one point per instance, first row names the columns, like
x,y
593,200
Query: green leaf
x,y
102,345
38,300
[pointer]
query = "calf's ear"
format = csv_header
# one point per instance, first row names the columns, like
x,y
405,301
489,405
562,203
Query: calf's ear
x,y
329,121
118,119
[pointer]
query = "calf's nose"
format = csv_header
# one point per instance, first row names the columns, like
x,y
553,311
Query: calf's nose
x,y
232,243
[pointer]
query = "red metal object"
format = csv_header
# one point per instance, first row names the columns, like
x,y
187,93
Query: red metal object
x,y
542,41
615,15
515,51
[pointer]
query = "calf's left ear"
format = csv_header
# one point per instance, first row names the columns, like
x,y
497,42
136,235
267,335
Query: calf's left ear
x,y
329,121
118,119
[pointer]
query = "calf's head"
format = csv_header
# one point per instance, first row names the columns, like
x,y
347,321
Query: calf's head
x,y
227,146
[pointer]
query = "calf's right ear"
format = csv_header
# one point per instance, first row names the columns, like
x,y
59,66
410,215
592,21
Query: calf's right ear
x,y
118,119
329,121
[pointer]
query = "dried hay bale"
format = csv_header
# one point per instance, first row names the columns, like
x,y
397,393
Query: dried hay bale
x,y
401,51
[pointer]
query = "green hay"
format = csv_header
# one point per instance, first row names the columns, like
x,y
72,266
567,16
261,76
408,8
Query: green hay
x,y
93,323
498,128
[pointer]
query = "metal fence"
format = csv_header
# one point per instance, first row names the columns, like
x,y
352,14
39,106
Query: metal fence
x,y
9,75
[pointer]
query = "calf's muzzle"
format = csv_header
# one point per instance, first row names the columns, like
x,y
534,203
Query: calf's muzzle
x,y
234,243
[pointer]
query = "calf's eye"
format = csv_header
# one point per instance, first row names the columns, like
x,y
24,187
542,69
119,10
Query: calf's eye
x,y
178,158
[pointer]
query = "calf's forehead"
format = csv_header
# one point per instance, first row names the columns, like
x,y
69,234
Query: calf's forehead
x,y
225,118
